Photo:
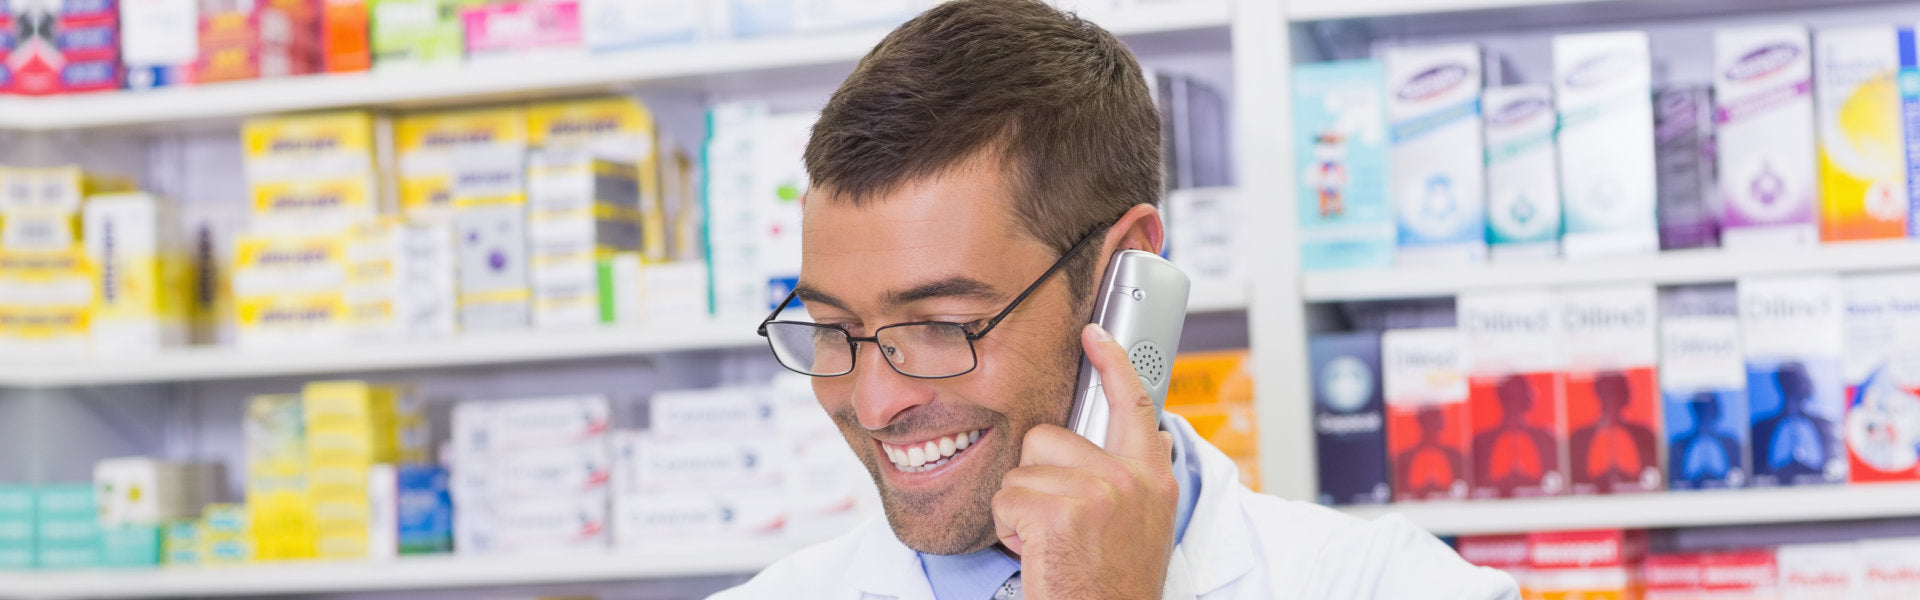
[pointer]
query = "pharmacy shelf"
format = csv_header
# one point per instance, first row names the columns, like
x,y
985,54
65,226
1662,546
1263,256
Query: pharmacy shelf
x,y
407,573
528,78
200,364
1666,268
1217,296
1318,10
1658,510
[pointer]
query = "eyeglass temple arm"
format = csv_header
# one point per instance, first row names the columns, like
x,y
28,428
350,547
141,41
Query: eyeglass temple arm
x,y
1035,286
762,330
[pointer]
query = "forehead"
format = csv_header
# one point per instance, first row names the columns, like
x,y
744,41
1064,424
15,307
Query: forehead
x,y
955,224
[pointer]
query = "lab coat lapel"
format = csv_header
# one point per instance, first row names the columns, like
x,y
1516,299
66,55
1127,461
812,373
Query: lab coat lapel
x,y
1218,548
883,567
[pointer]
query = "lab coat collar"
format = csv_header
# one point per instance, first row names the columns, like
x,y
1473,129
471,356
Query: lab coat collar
x,y
884,567
1218,548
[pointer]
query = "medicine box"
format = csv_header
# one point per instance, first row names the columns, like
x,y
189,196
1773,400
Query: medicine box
x,y
522,29
1437,177
1610,340
1683,152
1340,151
1349,420
253,39
158,37
662,464
1909,113
46,303
615,25
494,292
700,413
1890,567
1752,573
1602,89
1863,161
1517,410
130,546
417,34
1586,564
1523,184
509,425
425,145
425,510
1674,576
140,267
1213,391
617,129
1763,111
680,520
1817,571
1425,375
544,524
584,468
1792,337
1703,384
582,213
1881,370
345,30
1508,553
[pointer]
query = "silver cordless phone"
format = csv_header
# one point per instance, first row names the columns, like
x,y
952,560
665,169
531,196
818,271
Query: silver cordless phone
x,y
1143,305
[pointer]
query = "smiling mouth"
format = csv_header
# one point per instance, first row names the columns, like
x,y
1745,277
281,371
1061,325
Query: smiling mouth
x,y
929,455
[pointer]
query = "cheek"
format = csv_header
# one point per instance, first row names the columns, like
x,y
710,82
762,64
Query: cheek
x,y
834,393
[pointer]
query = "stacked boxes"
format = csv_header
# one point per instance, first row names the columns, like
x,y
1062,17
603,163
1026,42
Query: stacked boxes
x,y
350,427
1818,571
46,289
1586,564
311,179
67,529
755,180
17,523
1213,391
531,475
1763,105
417,33
278,508
615,25
582,213
69,46
400,280
159,40
522,29
1340,150
252,39
1601,86
137,495
140,268
426,146
1438,176
1508,553
709,469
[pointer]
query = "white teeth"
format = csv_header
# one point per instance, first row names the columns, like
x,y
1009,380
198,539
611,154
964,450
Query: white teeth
x,y
975,436
894,455
932,450
933,453
961,441
915,457
946,446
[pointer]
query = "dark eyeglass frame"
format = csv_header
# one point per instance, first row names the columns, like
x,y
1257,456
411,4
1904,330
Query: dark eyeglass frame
x,y
853,342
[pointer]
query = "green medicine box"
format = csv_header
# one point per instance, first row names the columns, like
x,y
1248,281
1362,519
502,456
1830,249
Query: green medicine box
x,y
69,557
16,502
69,530
67,500
130,546
14,557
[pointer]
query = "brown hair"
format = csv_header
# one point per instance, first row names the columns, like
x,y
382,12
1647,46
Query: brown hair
x,y
1059,99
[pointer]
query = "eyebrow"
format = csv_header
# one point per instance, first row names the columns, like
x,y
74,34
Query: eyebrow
x,y
957,287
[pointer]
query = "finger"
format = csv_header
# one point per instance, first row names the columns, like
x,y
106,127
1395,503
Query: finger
x,y
1019,514
1132,422
1057,446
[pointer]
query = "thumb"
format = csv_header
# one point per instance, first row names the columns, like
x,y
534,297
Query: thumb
x,y
1132,421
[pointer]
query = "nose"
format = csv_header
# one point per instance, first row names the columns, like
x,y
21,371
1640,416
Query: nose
x,y
881,394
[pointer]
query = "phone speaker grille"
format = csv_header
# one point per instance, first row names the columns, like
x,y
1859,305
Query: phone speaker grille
x,y
1150,362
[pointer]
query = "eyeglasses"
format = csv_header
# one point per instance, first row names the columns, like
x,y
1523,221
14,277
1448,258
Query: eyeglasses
x,y
921,349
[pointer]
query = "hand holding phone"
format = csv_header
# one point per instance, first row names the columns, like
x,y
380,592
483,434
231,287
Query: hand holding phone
x,y
1142,304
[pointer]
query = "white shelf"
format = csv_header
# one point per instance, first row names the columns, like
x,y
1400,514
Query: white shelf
x,y
522,79
406,573
1217,296
1316,10
1667,268
1658,510
197,364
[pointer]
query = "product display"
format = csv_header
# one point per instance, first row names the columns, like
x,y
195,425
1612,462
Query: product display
x,y
1792,338
1517,409
1340,149
1863,183
1763,106
1349,421
1602,86
1523,185
1213,391
1437,180
1425,376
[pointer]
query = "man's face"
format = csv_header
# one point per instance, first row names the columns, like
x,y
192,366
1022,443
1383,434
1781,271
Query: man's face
x,y
942,248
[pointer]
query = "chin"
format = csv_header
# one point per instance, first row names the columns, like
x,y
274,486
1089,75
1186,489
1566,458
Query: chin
x,y
956,518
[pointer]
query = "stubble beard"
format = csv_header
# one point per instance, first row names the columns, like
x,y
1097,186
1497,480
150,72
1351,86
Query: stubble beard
x,y
934,524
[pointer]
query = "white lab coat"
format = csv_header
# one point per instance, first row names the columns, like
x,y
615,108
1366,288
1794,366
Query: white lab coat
x,y
1239,544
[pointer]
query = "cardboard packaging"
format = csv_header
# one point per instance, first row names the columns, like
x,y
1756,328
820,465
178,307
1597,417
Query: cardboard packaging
x,y
139,261
1792,337
507,425
1610,340
617,25
522,30
1763,107
159,40
426,145
64,46
345,36
1349,420
1340,149
1523,183
1677,576
417,34
1863,161
1819,571
1213,391
1750,573
1508,553
1683,136
1892,568
1602,85
1517,411
1598,565
1438,175
1881,370
1703,382
1910,113
1425,373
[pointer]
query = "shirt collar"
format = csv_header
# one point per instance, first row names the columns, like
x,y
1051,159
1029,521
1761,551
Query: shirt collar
x,y
976,575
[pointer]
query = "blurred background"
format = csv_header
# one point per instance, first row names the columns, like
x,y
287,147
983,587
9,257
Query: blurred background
x,y
456,298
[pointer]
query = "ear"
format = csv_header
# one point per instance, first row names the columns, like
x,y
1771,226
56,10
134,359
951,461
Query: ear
x,y
1139,229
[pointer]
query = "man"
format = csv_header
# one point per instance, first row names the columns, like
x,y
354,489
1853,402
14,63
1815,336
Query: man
x,y
970,180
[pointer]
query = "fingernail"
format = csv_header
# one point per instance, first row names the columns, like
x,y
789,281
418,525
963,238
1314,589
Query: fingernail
x,y
1099,333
